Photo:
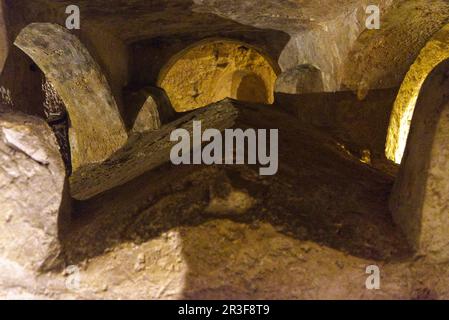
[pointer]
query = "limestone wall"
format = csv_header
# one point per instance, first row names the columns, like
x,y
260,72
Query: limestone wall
x,y
212,71
421,194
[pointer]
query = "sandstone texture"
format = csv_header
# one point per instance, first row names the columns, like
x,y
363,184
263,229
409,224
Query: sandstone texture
x,y
299,80
420,197
92,207
288,236
293,33
147,109
216,70
97,129
434,52
34,195
381,58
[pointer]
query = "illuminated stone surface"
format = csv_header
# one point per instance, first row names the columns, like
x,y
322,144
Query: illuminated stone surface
x,y
381,58
145,229
97,129
212,71
33,192
148,109
420,200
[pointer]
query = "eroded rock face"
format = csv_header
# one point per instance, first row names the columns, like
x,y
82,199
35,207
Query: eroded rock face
x,y
301,79
381,58
292,33
215,70
434,52
33,197
148,117
421,195
145,152
148,109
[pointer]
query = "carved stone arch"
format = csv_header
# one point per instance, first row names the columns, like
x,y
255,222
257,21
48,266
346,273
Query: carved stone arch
x,y
96,128
420,198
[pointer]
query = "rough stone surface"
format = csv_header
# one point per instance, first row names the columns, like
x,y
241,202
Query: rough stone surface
x,y
357,125
145,152
215,70
97,129
420,200
295,238
301,79
292,32
434,52
288,236
33,192
147,118
147,109
157,231
381,58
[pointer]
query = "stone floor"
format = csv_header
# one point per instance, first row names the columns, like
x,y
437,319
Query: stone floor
x,y
199,232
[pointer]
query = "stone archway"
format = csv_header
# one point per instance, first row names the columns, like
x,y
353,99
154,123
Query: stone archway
x,y
208,71
244,86
96,128
420,198
434,52
251,88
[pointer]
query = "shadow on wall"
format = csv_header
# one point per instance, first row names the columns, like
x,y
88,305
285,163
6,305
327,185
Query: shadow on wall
x,y
301,79
21,84
251,88
433,53
359,125
258,216
242,86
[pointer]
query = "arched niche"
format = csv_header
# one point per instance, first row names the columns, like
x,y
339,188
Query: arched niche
x,y
242,85
420,197
213,69
434,52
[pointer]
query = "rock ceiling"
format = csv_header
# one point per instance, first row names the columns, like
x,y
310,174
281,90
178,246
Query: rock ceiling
x,y
140,19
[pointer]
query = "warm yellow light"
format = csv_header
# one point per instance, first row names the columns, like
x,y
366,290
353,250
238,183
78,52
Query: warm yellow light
x,y
435,51
217,69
